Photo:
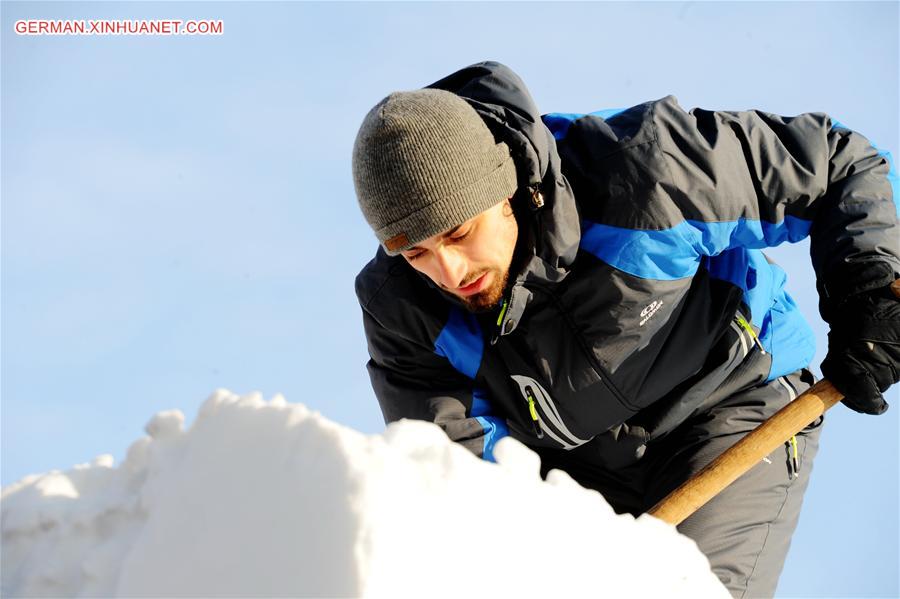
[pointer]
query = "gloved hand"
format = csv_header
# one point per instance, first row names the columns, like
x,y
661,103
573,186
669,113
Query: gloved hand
x,y
864,348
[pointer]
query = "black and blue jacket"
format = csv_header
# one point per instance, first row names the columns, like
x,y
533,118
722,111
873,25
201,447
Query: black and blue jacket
x,y
643,284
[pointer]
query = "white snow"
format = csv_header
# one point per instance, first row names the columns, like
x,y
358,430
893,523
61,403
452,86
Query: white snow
x,y
264,498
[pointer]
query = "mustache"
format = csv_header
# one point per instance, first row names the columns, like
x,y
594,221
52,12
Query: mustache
x,y
475,278
471,279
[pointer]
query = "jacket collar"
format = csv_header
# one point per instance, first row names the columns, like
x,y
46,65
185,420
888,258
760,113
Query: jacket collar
x,y
552,224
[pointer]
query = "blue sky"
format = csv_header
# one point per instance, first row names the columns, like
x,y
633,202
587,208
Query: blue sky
x,y
178,213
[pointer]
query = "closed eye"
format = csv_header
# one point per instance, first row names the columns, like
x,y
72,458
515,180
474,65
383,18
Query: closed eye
x,y
463,236
458,237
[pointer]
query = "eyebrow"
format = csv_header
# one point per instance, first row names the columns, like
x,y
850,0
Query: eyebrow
x,y
441,236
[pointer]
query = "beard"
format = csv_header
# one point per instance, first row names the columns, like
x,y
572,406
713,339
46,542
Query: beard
x,y
487,299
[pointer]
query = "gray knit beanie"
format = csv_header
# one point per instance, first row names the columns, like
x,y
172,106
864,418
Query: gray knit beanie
x,y
424,162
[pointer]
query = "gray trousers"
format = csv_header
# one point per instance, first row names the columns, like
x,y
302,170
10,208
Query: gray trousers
x,y
746,530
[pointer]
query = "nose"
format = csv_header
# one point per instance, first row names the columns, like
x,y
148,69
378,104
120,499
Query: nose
x,y
451,267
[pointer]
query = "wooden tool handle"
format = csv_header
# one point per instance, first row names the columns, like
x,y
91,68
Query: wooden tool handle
x,y
724,470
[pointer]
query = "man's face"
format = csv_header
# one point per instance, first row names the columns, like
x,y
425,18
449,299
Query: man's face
x,y
471,261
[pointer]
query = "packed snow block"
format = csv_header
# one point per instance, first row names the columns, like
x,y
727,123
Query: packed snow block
x,y
262,498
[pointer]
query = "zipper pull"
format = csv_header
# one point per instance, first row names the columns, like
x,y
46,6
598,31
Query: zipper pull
x,y
795,461
532,410
537,198
496,336
746,325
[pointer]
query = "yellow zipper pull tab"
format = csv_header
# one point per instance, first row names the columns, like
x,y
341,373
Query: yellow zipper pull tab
x,y
496,336
532,410
746,325
795,461
502,313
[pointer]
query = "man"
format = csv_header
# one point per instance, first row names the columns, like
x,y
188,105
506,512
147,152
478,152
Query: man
x,y
594,286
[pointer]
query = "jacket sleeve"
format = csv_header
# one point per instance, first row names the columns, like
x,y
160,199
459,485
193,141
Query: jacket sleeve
x,y
755,179
412,381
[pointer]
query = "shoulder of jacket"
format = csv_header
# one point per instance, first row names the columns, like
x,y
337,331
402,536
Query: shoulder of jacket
x,y
373,276
608,131
665,105
664,112
396,297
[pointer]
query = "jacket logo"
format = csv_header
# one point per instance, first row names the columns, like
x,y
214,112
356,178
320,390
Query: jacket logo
x,y
648,312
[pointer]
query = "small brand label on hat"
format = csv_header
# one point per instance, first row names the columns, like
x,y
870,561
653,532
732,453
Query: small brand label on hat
x,y
396,242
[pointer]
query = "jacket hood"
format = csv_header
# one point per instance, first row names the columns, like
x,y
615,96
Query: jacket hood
x,y
553,231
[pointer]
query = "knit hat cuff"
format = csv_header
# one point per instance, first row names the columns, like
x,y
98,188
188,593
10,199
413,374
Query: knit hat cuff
x,y
453,210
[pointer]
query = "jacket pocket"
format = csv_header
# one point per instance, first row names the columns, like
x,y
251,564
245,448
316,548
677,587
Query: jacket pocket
x,y
544,413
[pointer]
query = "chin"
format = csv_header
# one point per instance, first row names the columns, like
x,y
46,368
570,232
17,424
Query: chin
x,y
486,300
477,304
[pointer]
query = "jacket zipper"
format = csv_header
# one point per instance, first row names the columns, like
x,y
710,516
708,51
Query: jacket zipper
x,y
795,461
604,376
498,327
529,392
744,324
532,411
566,438
546,421
537,203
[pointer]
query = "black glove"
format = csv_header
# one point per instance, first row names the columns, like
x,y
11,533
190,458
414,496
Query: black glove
x,y
864,347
